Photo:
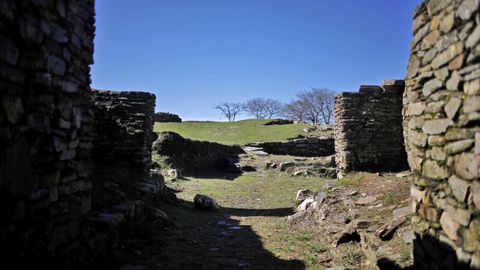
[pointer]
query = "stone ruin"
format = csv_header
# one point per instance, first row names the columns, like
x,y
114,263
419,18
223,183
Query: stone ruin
x,y
442,133
51,133
46,125
368,129
304,147
125,128
193,157
165,117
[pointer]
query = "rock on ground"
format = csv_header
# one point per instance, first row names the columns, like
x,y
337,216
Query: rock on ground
x,y
204,202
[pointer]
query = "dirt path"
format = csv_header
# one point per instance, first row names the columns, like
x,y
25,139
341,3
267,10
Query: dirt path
x,y
206,240
252,232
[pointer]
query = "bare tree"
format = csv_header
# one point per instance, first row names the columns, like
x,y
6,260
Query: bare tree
x,y
229,110
314,105
325,99
262,108
311,109
294,110
273,107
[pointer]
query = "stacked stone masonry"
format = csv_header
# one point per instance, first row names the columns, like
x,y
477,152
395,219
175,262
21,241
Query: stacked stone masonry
x,y
164,117
124,128
442,133
304,147
46,125
368,129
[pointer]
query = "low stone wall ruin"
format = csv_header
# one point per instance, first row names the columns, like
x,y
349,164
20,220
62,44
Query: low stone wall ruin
x,y
195,156
303,147
46,125
368,129
442,134
165,117
124,128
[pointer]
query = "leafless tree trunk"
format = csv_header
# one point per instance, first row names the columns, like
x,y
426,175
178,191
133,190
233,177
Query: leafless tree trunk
x,y
262,108
229,110
314,106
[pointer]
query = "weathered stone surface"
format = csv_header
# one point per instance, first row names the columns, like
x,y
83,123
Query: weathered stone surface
x,y
204,202
457,62
471,236
45,193
13,108
366,139
415,108
472,87
432,169
284,165
454,81
450,119
462,216
467,166
437,153
467,8
458,146
417,138
476,193
450,227
460,188
430,39
446,56
431,86
447,23
436,140
124,121
452,106
436,126
471,104
477,143
366,200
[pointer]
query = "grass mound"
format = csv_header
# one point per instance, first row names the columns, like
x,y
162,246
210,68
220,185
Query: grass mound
x,y
240,132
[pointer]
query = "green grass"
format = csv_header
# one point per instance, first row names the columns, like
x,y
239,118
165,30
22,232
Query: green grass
x,y
264,193
352,258
240,132
352,180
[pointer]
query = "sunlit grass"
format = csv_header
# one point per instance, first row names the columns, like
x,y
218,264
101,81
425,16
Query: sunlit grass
x,y
240,132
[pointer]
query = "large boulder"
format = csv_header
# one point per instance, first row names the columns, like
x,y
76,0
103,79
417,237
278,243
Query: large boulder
x,y
203,202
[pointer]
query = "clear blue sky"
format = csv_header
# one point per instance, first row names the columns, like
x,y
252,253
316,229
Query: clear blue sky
x,y
195,53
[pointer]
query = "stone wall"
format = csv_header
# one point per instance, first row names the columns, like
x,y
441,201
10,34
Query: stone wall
x,y
303,147
195,156
442,133
124,128
164,117
46,48
368,129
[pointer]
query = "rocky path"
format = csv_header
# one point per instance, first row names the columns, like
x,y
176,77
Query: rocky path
x,y
252,231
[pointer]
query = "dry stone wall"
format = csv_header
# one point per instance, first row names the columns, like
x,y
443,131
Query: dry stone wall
x,y
46,48
304,147
164,117
442,133
193,156
124,128
368,128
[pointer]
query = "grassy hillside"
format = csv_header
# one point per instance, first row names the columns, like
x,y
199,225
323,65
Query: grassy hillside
x,y
240,132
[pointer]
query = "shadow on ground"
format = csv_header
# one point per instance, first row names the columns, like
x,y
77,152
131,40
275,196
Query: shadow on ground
x,y
210,240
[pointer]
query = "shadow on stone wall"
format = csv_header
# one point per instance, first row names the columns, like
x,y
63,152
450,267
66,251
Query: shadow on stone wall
x,y
199,158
